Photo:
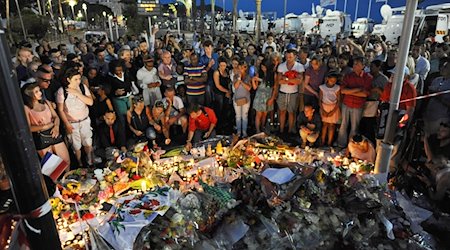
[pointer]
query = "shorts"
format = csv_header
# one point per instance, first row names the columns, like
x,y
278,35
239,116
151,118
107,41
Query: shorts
x,y
81,134
288,102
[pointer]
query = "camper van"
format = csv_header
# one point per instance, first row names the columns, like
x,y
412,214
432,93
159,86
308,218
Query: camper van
x,y
293,24
247,23
433,20
362,26
334,23
310,24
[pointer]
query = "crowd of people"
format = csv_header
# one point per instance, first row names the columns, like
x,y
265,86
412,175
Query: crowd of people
x,y
171,91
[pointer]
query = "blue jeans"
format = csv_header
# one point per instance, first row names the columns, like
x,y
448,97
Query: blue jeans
x,y
241,118
352,115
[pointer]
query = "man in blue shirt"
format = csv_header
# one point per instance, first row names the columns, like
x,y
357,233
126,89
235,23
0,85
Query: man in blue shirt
x,y
210,61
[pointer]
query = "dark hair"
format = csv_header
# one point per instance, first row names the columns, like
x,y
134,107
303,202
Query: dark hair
x,y
194,107
99,50
106,88
207,43
377,63
52,51
27,94
69,73
293,51
359,59
158,104
42,69
222,59
169,88
317,58
357,138
113,65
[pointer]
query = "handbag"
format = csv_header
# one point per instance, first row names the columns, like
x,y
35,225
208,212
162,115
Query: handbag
x,y
241,101
46,139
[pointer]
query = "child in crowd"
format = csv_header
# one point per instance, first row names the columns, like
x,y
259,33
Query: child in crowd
x,y
329,101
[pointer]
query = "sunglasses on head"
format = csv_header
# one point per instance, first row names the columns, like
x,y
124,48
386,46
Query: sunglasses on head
x,y
159,104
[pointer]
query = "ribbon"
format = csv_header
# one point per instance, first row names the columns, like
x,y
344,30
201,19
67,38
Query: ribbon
x,y
426,96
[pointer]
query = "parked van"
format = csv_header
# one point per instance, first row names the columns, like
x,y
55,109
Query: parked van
x,y
335,23
362,26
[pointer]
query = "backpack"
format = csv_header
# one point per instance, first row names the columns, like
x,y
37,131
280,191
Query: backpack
x,y
82,88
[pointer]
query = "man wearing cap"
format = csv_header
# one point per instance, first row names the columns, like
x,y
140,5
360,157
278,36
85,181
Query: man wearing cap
x,y
148,80
408,92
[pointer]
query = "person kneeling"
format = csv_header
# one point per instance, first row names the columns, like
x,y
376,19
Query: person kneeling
x,y
310,125
202,121
111,134
360,148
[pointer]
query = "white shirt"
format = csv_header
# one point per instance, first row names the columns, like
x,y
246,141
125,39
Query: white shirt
x,y
273,45
74,108
177,105
282,68
144,77
422,67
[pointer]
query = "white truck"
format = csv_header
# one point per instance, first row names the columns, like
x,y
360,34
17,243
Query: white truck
x,y
334,23
362,26
433,20
293,24
378,29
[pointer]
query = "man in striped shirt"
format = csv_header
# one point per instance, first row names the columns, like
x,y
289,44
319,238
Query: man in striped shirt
x,y
195,77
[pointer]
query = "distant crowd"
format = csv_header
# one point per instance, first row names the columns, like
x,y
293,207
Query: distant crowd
x,y
94,95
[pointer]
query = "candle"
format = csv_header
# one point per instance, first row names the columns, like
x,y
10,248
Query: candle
x,y
144,185
221,171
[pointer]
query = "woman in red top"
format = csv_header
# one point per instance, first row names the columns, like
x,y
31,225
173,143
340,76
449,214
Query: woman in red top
x,y
44,123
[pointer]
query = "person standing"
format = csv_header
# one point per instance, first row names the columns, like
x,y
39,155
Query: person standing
x,y
222,94
329,101
73,101
355,88
195,77
167,71
264,84
290,76
148,80
241,99
422,64
211,62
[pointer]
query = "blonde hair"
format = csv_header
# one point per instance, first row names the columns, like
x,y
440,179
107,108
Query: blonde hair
x,y
411,64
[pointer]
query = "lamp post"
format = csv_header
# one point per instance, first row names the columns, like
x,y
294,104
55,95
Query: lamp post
x,y
110,27
213,18
72,4
84,7
104,18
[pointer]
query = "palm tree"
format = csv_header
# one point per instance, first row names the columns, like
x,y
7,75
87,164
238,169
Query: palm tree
x,y
258,20
188,5
235,3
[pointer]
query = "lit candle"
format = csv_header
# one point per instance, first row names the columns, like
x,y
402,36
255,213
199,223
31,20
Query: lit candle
x,y
144,186
221,171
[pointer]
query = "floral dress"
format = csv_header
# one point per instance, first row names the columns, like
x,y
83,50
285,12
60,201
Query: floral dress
x,y
263,94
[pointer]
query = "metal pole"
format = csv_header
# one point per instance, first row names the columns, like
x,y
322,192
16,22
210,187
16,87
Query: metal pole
x,y
21,20
178,26
345,6
39,7
335,4
384,153
110,28
117,29
150,26
235,3
356,9
213,18
369,9
21,160
284,20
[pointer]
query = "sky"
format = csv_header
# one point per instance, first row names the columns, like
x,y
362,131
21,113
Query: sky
x,y
300,6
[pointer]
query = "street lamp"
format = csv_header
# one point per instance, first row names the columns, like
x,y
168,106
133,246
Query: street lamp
x,y
72,4
79,14
84,7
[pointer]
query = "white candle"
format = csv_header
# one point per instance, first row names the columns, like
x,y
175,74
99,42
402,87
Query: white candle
x,y
143,185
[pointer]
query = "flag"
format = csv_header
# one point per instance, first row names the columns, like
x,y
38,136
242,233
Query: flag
x,y
327,2
53,166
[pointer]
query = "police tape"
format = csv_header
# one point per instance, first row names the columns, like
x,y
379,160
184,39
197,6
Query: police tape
x,y
426,96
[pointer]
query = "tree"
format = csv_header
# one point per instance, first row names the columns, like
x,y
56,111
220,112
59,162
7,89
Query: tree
x,y
202,14
35,25
139,24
